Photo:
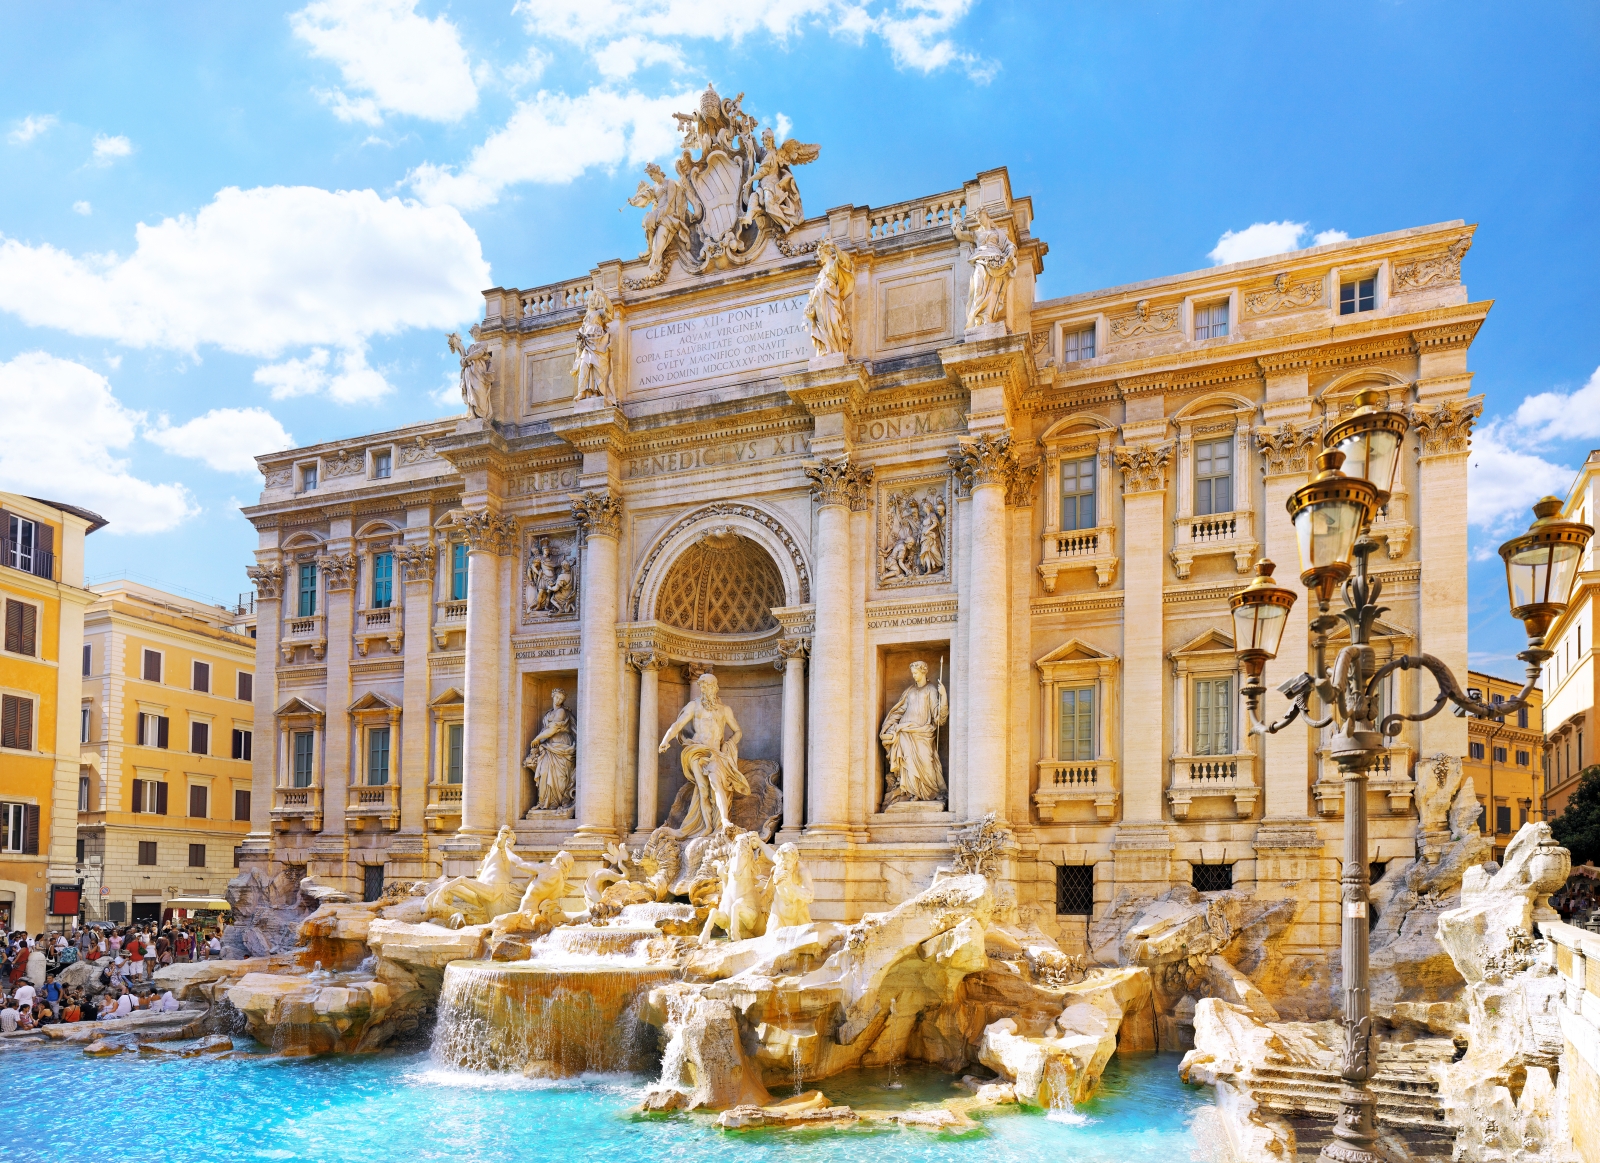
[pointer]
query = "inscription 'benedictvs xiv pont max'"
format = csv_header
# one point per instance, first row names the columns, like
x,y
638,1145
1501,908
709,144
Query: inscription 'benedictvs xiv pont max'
x,y
804,455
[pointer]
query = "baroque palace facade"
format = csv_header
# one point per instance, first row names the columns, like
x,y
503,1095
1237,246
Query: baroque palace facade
x,y
803,453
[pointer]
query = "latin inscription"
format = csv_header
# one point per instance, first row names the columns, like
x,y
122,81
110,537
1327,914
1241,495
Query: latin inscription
x,y
737,340
910,424
715,455
550,481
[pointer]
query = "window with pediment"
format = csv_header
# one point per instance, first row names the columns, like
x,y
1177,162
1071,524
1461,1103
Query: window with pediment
x,y
1078,531
1215,502
1077,768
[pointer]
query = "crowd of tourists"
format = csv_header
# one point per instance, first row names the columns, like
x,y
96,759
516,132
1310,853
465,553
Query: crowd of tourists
x,y
1578,899
40,984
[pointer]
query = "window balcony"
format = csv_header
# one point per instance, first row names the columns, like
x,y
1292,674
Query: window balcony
x,y
297,804
386,625
448,617
311,632
1094,549
1066,787
1390,776
1215,535
1214,776
444,806
377,807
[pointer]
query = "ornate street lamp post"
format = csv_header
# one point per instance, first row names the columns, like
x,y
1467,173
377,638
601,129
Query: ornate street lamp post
x,y
1331,517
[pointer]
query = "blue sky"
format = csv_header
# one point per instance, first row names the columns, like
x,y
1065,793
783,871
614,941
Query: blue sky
x,y
222,226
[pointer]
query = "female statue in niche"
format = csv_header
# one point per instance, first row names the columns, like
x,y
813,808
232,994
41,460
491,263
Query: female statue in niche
x,y
551,757
910,735
826,314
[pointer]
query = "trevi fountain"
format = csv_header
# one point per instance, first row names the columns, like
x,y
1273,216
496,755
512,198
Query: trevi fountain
x,y
795,768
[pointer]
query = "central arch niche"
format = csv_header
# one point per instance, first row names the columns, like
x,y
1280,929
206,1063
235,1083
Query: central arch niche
x,y
722,584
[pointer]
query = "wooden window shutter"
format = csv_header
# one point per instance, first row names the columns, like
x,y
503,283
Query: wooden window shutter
x,y
10,712
152,666
197,802
161,798
138,734
138,795
24,723
246,686
30,829
14,626
241,805
43,547
30,629
161,730
202,677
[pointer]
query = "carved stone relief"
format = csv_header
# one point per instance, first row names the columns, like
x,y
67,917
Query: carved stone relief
x,y
1445,427
1284,296
1436,270
1144,466
1289,448
268,580
417,451
550,576
343,464
1144,322
914,531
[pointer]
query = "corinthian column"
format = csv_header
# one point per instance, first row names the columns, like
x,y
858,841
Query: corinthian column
x,y
599,514
835,484
793,665
489,536
986,466
649,664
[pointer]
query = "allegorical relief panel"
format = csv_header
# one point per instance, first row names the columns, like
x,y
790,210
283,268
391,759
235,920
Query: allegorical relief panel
x,y
550,579
914,531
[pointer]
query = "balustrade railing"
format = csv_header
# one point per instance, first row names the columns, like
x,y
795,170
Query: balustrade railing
x,y
923,214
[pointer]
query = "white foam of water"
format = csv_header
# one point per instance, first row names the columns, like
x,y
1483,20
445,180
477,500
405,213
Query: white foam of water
x,y
1070,1118
455,1078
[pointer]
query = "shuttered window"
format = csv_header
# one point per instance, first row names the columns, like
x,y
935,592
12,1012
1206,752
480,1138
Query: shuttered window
x,y
202,677
378,756
306,593
1213,716
303,743
16,722
458,572
147,852
241,744
241,806
197,856
197,802
1076,737
22,627
247,686
382,581
200,738
19,828
453,733
152,666
152,731
150,796
1077,494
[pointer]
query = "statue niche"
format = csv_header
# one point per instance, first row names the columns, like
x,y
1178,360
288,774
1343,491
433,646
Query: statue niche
x,y
552,759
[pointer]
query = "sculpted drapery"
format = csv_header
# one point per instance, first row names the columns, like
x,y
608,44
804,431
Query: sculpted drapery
x,y
552,757
826,313
910,734
994,261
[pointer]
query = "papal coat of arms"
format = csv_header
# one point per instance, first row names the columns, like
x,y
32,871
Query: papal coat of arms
x,y
734,190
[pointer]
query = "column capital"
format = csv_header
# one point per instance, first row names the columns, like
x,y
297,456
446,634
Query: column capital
x,y
1444,428
268,580
986,460
418,562
598,513
1144,466
643,660
484,530
1288,447
791,650
339,569
836,481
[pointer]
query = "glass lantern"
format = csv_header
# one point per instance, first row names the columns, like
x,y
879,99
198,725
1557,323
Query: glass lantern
x,y
1260,612
1370,440
1328,515
1542,565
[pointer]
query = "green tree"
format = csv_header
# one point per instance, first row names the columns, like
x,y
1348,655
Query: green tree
x,y
1578,828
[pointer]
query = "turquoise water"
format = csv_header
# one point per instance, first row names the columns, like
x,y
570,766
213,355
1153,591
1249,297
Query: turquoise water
x,y
56,1105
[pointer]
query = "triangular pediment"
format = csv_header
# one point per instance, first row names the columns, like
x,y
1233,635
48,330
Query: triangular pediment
x,y
449,698
1074,650
1381,628
297,706
1208,642
373,701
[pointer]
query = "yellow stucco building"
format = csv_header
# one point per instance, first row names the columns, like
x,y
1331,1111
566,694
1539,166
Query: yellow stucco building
x,y
1571,677
164,794
41,589
1505,760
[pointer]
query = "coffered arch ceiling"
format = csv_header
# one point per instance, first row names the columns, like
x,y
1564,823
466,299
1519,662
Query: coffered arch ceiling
x,y
722,584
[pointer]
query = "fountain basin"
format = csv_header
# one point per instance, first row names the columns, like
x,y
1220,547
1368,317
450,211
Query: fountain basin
x,y
553,1021
591,941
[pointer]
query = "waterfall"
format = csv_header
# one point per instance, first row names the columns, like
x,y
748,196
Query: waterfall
x,y
555,1021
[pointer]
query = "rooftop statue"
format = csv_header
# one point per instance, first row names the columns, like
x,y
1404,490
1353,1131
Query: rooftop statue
x,y
826,312
475,377
994,261
592,365
734,190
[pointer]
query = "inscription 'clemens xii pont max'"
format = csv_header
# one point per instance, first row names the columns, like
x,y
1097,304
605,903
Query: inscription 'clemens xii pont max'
x,y
740,339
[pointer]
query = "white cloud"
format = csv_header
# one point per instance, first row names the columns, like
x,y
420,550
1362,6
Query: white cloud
x,y
781,125
448,393
353,383
63,427
1504,478
1325,237
109,149
620,59
1552,416
554,138
260,271
392,59
226,439
82,208
1263,238
31,127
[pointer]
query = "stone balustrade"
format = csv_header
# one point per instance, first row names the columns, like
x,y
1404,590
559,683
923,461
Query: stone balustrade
x,y
1094,549
311,631
1215,535
303,804
1391,777
1066,786
1200,776
443,812
923,214
375,805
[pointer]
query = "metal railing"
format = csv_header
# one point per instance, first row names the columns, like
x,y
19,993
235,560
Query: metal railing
x,y
38,562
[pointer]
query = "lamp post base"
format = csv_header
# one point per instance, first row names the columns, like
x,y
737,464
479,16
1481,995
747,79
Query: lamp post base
x,y
1355,1135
